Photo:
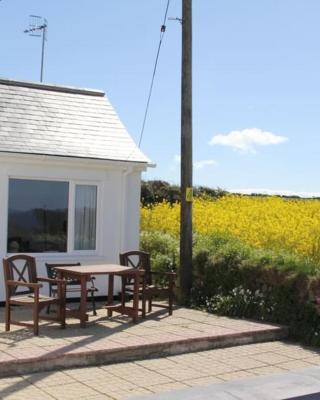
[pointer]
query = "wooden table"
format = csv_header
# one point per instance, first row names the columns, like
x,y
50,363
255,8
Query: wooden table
x,y
83,272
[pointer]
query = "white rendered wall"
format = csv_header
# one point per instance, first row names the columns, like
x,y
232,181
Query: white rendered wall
x,y
131,210
117,212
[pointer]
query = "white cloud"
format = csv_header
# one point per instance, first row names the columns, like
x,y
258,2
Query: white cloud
x,y
275,192
247,140
196,164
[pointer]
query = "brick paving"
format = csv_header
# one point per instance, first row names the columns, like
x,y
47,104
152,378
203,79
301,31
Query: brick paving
x,y
117,339
145,377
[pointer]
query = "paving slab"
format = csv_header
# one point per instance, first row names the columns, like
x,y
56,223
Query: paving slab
x,y
117,339
123,381
296,385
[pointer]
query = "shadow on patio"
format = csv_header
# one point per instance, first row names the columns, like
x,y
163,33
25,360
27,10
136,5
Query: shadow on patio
x,y
117,339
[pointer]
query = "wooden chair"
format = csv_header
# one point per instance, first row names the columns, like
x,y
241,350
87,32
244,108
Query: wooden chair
x,y
148,287
20,272
72,285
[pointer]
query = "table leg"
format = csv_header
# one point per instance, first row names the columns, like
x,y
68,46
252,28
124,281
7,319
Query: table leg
x,y
110,293
83,301
62,297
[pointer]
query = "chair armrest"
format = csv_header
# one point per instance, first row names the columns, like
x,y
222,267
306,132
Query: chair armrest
x,y
49,280
53,281
25,284
133,272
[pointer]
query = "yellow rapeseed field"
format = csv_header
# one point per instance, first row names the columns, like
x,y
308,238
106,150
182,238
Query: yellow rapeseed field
x,y
268,222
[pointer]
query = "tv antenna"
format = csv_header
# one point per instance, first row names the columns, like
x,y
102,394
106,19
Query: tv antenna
x,y
38,27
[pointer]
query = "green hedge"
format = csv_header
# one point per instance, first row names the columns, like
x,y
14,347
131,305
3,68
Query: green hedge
x,y
231,278
234,279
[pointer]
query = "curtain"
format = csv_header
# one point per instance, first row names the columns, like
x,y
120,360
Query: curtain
x,y
85,217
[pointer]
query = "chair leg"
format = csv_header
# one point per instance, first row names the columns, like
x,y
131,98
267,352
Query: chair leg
x,y
123,292
50,294
36,319
171,287
93,303
7,316
170,303
144,296
150,304
48,306
62,313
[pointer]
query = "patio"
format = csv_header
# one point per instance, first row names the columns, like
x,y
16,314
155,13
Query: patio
x,y
117,339
185,376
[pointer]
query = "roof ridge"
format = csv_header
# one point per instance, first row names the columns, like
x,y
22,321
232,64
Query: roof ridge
x,y
51,87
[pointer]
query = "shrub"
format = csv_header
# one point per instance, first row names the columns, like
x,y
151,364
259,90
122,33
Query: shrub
x,y
157,191
231,278
163,249
241,301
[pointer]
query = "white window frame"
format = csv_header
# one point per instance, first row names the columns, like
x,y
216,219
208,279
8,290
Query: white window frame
x,y
71,217
71,214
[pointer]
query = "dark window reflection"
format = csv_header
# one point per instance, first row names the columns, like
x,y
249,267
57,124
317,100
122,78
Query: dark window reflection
x,y
38,216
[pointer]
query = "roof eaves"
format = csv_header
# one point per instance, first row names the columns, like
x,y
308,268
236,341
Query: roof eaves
x,y
148,163
51,87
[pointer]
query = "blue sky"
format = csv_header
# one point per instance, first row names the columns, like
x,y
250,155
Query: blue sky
x,y
256,80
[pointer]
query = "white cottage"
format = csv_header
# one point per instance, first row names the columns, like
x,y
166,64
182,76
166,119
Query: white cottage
x,y
69,176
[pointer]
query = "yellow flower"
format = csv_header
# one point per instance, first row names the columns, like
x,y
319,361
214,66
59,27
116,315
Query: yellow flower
x,y
268,222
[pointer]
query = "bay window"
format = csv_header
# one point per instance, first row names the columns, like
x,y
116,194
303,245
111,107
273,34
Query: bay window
x,y
39,212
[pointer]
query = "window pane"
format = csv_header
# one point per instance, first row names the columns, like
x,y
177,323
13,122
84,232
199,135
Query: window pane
x,y
85,217
38,216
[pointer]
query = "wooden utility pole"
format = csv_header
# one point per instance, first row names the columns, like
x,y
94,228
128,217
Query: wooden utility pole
x,y
186,154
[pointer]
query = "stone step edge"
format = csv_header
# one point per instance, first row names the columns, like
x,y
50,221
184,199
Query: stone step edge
x,y
87,358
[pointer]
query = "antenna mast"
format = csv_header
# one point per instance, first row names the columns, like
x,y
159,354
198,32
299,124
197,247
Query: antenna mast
x,y
38,27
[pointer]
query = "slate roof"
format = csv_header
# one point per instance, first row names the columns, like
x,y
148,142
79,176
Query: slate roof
x,y
46,119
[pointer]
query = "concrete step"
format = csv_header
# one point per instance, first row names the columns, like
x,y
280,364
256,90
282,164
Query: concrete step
x,y
116,339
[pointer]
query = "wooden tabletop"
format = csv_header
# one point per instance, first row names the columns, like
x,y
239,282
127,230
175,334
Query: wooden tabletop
x,y
99,269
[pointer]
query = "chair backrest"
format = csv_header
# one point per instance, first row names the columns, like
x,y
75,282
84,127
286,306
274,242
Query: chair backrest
x,y
138,259
52,273
20,268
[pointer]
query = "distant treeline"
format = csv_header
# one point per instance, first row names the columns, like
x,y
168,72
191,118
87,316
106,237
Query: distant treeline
x,y
157,191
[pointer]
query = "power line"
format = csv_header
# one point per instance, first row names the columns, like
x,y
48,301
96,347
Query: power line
x,y
162,32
